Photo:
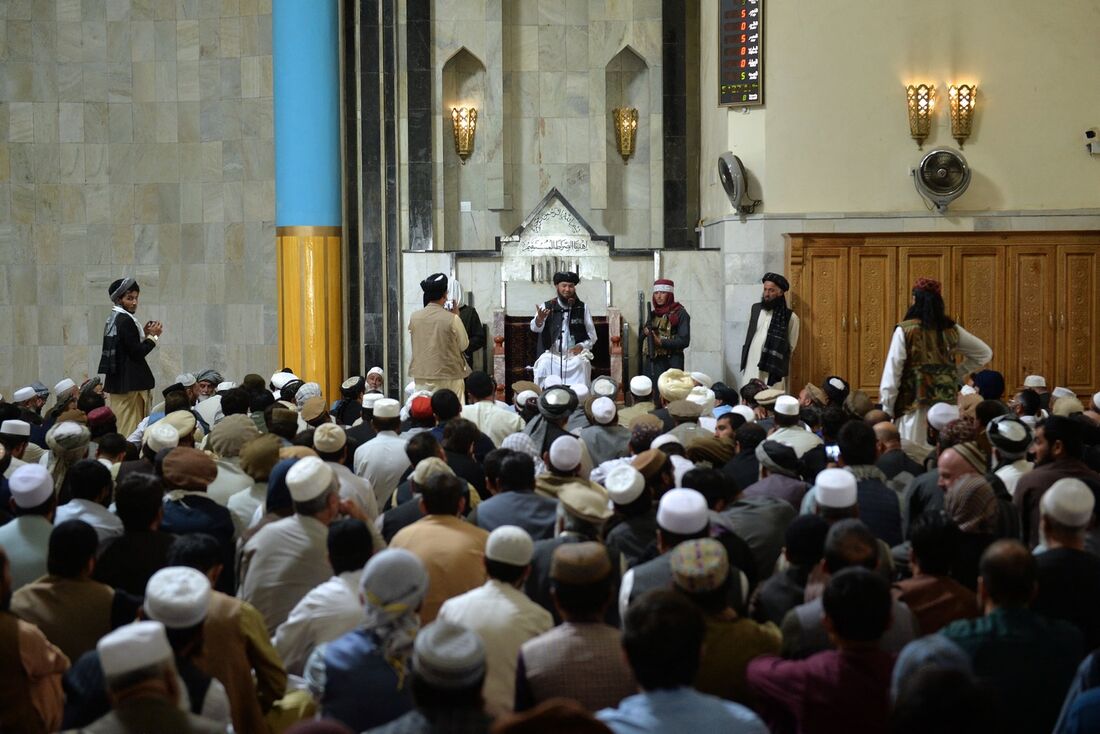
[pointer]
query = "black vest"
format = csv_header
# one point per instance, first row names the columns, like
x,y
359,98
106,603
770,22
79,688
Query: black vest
x,y
551,330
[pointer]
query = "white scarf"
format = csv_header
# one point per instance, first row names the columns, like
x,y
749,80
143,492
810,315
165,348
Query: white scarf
x,y
138,324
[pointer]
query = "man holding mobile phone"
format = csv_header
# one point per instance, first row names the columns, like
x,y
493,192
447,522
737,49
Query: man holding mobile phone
x,y
126,341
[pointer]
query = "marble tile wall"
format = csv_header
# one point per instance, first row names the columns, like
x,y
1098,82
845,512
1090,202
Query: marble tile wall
x,y
136,138
547,118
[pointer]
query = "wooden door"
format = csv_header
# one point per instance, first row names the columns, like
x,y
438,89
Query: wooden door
x,y
978,287
923,262
1029,314
1078,318
872,304
824,327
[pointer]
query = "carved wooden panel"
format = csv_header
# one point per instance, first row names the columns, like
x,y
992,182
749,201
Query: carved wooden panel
x,y
873,304
1078,318
978,289
923,262
1029,336
826,323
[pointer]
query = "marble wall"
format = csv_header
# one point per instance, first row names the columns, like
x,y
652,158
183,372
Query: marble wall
x,y
136,138
545,116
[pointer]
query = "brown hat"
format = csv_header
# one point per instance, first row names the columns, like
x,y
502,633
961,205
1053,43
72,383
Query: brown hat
x,y
647,420
313,408
188,468
74,415
259,456
296,452
521,385
230,434
767,398
580,563
650,462
817,394
585,501
684,409
858,403
968,404
284,418
711,448
972,452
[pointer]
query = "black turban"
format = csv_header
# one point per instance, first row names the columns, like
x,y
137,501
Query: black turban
x,y
778,279
434,287
566,278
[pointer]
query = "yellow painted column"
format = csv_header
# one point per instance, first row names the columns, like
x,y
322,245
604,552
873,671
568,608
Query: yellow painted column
x,y
311,313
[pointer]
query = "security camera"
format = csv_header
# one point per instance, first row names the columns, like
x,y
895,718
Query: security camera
x,y
1092,141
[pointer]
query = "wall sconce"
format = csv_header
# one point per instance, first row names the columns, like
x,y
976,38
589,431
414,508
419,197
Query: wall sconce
x,y
464,121
962,98
626,130
921,100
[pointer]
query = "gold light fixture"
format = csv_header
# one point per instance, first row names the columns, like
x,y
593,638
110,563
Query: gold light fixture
x,y
464,121
626,130
921,100
962,98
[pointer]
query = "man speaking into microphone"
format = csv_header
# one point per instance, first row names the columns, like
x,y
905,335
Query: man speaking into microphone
x,y
566,335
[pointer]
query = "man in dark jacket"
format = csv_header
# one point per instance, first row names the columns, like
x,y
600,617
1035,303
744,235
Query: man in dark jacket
x,y
127,377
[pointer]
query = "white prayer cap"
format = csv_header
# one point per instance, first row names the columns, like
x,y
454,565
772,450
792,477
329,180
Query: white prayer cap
x,y
30,485
940,414
15,428
1069,501
305,392
1096,401
745,412
604,387
786,405
565,453
1035,381
394,582
371,398
603,410
308,479
836,488
702,378
551,380
682,511
280,379
23,394
133,647
223,386
665,439
510,544
376,371
329,438
703,397
968,390
65,384
526,395
428,468
387,408
178,597
580,389
187,379
641,385
624,484
161,436
448,655
1062,392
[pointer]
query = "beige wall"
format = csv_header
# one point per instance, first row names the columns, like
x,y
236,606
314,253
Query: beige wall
x,y
136,139
833,136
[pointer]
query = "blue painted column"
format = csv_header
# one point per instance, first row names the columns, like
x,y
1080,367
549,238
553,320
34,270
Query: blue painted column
x,y
308,211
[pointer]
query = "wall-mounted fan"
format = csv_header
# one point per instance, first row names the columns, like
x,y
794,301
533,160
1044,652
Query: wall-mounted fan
x,y
941,177
732,175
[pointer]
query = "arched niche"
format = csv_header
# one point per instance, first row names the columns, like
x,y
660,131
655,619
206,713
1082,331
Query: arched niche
x,y
629,194
464,85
